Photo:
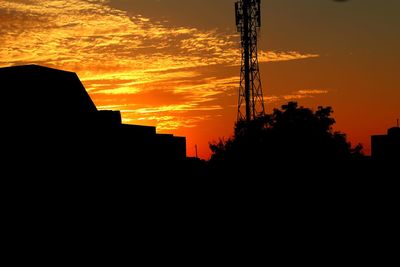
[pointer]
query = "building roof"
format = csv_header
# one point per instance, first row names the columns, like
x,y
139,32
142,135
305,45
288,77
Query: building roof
x,y
32,89
395,131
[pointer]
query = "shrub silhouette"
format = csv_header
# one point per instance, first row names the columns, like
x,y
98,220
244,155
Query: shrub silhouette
x,y
291,133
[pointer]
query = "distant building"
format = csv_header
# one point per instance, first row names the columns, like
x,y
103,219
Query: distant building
x,y
386,147
49,111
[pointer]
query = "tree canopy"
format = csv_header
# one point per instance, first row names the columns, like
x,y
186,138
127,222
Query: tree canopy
x,y
291,133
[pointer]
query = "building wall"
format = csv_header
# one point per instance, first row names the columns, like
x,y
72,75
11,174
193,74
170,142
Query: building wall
x,y
49,110
386,147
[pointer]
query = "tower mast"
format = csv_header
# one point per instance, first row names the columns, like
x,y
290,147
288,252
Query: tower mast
x,y
248,22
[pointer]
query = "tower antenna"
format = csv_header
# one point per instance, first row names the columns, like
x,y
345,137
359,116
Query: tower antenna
x,y
248,22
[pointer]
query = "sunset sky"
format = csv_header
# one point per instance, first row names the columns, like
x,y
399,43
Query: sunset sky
x,y
175,64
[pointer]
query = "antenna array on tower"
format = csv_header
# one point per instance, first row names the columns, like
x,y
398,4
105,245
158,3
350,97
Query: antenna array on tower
x,y
248,22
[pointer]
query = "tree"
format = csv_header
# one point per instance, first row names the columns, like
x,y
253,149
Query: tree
x,y
291,133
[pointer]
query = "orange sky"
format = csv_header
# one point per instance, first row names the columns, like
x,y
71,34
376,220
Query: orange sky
x,y
178,68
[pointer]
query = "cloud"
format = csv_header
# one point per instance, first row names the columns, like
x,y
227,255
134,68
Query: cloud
x,y
141,66
273,56
312,92
300,94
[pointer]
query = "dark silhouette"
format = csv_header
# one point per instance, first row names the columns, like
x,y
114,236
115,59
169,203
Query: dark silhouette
x,y
49,119
248,23
386,147
293,134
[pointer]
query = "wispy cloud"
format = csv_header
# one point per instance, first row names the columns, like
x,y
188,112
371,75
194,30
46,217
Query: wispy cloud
x,y
274,56
301,94
313,92
153,72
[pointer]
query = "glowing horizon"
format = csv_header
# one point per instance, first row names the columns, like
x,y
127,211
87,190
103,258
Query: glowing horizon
x,y
180,78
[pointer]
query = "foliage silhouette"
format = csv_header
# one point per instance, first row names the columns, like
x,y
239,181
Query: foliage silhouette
x,y
291,133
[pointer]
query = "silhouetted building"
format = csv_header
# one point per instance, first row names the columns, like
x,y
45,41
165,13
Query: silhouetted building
x,y
49,110
386,147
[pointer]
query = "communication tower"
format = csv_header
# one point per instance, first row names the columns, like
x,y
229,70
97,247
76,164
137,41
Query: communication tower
x,y
248,22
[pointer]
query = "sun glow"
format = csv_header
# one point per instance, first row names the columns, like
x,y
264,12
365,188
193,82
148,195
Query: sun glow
x,y
171,77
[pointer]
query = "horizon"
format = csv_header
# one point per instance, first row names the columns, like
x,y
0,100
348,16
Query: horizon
x,y
175,65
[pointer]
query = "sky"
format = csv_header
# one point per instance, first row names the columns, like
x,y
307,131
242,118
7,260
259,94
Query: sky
x,y
175,64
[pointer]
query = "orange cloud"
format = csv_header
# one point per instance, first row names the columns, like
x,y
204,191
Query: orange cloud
x,y
273,56
301,94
